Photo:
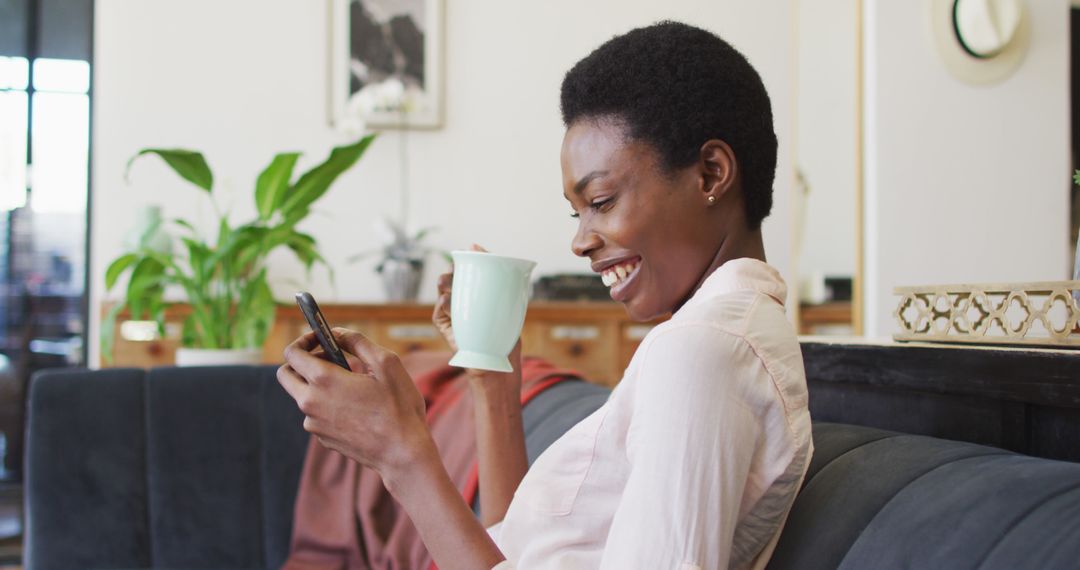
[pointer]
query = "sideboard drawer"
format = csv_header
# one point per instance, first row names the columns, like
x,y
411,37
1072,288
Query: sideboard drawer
x,y
404,337
139,343
590,348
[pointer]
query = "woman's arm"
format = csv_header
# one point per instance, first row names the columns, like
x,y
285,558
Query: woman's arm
x,y
449,529
500,437
375,415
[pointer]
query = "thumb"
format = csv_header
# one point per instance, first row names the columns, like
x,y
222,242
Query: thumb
x,y
356,343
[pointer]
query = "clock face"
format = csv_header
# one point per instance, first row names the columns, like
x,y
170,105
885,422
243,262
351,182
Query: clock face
x,y
986,27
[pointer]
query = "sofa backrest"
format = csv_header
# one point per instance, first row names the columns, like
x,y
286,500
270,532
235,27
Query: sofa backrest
x,y
167,468
199,468
879,499
186,467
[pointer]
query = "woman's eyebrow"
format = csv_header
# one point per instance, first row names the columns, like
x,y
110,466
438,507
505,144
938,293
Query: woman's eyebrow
x,y
585,180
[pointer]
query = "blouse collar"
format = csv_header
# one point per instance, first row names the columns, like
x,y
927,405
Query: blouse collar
x,y
744,274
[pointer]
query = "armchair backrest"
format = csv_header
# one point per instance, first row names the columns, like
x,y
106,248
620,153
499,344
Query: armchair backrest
x,y
186,467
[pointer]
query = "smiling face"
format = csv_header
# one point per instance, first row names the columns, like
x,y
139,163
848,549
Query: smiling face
x,y
652,235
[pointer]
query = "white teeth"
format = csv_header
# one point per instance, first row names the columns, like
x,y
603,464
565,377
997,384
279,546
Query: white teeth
x,y
613,275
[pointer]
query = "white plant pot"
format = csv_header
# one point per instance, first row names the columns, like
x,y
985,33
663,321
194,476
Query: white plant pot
x,y
218,356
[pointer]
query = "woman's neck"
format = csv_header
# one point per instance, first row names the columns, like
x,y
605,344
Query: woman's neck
x,y
744,244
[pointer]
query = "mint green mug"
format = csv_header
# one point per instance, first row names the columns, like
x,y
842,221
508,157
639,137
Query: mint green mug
x,y
487,308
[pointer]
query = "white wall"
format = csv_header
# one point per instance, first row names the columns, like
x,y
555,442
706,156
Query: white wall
x,y
825,149
243,79
963,184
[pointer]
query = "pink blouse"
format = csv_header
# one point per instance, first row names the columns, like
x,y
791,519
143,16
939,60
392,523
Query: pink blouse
x,y
694,460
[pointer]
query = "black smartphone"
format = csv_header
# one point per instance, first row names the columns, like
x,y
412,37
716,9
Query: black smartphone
x,y
317,322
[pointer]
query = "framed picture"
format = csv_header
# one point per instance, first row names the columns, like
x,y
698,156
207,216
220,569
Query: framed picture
x,y
386,59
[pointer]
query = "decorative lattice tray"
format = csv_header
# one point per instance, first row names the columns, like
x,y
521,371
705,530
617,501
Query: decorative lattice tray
x,y
1042,313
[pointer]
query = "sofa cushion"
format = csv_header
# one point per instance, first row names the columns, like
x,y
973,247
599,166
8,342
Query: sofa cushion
x,y
85,471
878,500
226,449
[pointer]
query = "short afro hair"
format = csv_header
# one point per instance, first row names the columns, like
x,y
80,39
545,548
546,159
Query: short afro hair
x,y
674,87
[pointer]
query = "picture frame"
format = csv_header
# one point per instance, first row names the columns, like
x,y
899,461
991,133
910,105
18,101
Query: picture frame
x,y
383,82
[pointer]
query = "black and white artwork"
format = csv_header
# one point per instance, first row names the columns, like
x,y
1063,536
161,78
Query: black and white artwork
x,y
386,57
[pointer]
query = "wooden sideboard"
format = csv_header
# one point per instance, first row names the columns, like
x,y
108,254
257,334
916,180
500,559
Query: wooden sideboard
x,y
594,338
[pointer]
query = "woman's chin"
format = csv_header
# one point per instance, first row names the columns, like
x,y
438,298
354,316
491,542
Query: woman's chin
x,y
642,311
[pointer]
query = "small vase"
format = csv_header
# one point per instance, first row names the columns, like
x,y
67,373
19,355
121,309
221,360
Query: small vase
x,y
218,356
401,279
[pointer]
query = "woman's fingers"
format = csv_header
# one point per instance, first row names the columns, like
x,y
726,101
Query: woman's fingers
x,y
442,306
445,283
299,357
375,357
370,414
296,387
306,342
355,364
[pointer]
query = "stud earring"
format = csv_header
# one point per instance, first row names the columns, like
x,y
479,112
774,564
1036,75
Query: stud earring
x,y
712,200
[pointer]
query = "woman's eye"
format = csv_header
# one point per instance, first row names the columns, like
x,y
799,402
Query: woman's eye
x,y
600,204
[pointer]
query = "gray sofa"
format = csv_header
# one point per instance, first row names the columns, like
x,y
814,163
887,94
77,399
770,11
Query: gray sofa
x,y
198,468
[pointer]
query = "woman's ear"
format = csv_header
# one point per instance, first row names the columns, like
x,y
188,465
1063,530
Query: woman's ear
x,y
718,168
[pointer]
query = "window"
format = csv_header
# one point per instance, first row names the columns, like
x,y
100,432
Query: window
x,y
45,79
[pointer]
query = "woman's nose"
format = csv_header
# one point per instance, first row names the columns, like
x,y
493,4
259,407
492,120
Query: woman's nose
x,y
585,241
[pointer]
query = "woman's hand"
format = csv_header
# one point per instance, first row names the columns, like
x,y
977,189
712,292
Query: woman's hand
x,y
374,414
441,316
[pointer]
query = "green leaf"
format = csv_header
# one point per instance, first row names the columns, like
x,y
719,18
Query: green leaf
x,y
188,334
303,246
273,183
254,313
108,331
235,242
1076,177
190,165
117,267
420,235
315,182
294,217
202,328
145,286
223,231
186,225
198,253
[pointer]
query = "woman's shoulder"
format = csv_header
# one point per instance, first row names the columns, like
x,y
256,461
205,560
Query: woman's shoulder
x,y
736,315
740,342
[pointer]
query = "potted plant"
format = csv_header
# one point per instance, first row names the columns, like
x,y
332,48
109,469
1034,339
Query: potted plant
x,y
401,265
224,278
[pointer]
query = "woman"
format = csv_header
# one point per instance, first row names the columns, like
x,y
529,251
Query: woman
x,y
668,162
